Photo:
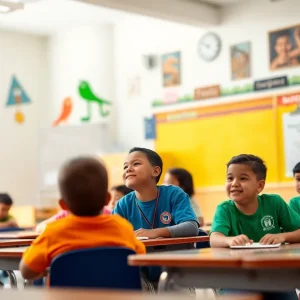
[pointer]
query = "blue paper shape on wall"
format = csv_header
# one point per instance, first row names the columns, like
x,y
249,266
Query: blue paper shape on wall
x,y
150,128
17,94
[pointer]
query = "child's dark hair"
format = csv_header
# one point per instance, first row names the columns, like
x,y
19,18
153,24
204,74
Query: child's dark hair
x,y
123,189
83,184
256,163
5,199
296,169
154,159
184,178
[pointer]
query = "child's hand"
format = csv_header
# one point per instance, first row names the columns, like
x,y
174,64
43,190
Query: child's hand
x,y
149,233
270,239
239,240
12,223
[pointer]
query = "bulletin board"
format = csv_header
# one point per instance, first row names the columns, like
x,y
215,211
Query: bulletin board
x,y
288,128
204,139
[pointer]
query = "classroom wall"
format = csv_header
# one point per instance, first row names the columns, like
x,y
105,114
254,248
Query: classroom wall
x,y
76,53
22,55
248,20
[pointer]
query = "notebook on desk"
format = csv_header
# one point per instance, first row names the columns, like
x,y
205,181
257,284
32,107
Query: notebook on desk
x,y
255,246
142,238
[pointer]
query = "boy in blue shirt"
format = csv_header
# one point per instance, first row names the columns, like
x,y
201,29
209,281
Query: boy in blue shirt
x,y
154,211
249,217
295,202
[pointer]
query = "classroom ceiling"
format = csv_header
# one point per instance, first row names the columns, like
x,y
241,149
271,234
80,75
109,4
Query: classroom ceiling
x,y
47,16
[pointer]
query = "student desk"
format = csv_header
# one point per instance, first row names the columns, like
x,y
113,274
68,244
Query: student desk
x,y
63,294
261,269
15,242
19,235
175,241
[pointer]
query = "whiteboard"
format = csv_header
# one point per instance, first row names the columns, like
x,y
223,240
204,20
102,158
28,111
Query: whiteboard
x,y
56,145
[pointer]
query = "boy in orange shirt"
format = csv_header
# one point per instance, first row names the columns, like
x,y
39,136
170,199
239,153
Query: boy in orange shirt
x,y
83,186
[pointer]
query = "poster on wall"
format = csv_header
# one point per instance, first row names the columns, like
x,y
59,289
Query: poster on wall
x,y
240,58
291,130
284,47
150,128
17,96
66,110
171,67
87,94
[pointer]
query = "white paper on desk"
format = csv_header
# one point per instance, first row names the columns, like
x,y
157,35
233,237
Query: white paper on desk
x,y
142,238
255,246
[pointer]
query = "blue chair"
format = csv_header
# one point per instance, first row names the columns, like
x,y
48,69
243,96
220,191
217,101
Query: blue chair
x,y
201,245
104,267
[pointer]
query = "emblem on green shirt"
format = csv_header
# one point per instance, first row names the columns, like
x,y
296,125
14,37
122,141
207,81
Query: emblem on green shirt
x,y
267,223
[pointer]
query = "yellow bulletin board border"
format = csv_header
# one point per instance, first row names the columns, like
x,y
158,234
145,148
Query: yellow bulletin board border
x,y
268,102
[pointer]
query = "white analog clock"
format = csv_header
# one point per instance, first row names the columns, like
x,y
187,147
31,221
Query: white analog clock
x,y
209,46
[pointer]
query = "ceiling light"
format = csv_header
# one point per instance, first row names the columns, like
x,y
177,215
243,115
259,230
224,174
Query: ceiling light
x,y
8,6
4,9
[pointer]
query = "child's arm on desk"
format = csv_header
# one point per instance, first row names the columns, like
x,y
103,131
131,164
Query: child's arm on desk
x,y
219,240
10,223
285,237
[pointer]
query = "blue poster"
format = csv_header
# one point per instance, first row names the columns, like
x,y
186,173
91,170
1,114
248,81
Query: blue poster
x,y
150,128
17,94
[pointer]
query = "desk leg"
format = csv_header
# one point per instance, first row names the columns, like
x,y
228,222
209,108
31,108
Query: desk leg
x,y
12,278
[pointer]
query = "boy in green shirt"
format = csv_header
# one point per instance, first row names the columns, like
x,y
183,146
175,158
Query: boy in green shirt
x,y
249,217
6,220
295,202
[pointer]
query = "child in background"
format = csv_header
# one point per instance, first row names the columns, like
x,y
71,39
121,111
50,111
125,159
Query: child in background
x,y
154,211
83,184
117,192
6,220
249,217
295,202
182,178
62,214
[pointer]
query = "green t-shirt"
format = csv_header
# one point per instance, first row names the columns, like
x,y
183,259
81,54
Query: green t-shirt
x,y
295,204
6,219
273,213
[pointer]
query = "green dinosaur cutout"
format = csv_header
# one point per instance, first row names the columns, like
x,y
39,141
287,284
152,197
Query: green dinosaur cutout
x,y
85,91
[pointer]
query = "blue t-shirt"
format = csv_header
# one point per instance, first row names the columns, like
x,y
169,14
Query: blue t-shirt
x,y
174,207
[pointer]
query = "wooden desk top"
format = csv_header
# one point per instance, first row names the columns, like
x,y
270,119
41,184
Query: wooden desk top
x,y
15,243
63,294
19,235
286,256
175,241
188,258
12,251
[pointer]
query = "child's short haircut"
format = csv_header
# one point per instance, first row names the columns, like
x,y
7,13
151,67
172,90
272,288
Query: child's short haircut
x,y
184,178
154,159
296,169
83,184
256,163
122,189
5,199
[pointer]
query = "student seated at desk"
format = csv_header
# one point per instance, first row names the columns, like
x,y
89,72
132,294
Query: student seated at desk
x,y
117,192
249,217
6,220
183,178
83,185
154,211
295,202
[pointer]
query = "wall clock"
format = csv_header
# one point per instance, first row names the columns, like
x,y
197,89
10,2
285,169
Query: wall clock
x,y
209,46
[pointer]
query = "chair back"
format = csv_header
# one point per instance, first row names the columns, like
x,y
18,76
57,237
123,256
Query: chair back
x,y
104,267
201,245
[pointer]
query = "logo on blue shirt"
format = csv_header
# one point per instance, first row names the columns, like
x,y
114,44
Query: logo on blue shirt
x,y
165,217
